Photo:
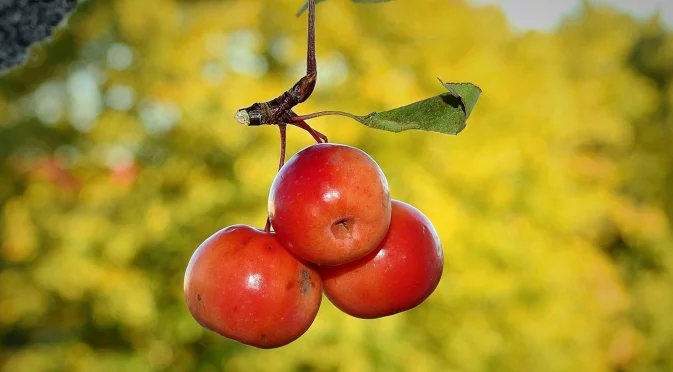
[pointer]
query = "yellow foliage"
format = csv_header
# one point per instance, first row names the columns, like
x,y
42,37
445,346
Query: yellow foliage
x,y
550,205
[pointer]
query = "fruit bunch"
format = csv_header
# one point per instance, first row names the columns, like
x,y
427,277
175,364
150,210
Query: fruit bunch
x,y
335,230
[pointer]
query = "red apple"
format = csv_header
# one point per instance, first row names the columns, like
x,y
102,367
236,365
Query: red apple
x,y
242,284
399,275
330,204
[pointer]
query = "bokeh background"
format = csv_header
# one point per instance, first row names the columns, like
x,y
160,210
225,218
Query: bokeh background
x,y
119,154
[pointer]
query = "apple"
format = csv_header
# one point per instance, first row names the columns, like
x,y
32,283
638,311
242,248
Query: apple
x,y
244,285
399,275
330,204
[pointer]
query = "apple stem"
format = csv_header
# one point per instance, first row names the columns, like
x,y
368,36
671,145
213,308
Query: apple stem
x,y
283,144
317,136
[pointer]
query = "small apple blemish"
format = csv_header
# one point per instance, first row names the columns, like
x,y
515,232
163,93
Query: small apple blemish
x,y
305,282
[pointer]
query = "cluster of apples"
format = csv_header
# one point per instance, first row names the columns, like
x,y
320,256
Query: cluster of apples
x,y
335,230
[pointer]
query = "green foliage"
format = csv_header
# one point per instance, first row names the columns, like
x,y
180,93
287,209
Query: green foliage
x,y
445,113
119,154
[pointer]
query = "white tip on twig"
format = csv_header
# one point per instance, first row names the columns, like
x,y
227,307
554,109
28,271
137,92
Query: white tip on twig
x,y
242,117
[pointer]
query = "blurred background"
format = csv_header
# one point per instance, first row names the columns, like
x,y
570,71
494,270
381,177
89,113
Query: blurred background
x,y
119,155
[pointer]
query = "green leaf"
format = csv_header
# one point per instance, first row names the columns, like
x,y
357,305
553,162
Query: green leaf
x,y
446,113
468,93
305,6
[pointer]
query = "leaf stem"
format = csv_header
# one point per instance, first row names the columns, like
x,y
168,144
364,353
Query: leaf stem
x,y
324,113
